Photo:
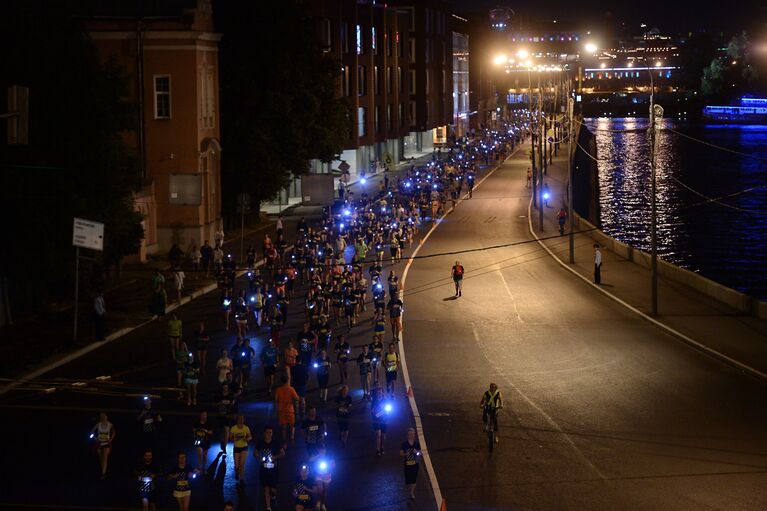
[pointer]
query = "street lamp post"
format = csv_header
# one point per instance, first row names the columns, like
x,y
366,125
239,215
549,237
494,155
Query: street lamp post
x,y
570,163
542,156
656,113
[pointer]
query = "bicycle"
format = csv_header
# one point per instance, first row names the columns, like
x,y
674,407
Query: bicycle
x,y
492,426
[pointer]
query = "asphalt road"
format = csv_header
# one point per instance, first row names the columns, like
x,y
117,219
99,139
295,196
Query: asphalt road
x,y
602,410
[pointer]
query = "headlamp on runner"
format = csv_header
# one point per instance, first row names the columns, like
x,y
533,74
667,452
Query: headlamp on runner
x,y
92,435
227,302
363,180
388,408
316,365
146,398
546,195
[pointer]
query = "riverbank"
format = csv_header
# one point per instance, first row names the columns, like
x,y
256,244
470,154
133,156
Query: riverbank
x,y
690,308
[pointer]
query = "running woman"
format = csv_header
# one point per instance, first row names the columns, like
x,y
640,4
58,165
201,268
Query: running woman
x,y
342,350
202,432
343,408
322,364
103,433
390,365
410,451
182,474
202,338
240,436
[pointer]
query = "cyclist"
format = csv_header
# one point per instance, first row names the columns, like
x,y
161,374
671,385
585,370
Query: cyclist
x,y
492,401
457,274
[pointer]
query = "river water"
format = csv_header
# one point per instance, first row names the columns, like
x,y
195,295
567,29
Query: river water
x,y
723,239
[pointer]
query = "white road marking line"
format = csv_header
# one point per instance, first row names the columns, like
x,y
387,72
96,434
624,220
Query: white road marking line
x,y
679,335
508,290
540,410
405,374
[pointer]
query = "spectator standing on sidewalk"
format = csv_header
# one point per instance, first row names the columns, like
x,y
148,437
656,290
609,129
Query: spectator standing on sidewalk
x,y
178,282
99,316
597,264
218,259
159,298
280,227
206,254
195,256
218,236
175,254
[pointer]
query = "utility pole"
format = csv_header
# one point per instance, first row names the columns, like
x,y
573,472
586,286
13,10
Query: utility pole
x,y
656,114
532,139
542,159
570,163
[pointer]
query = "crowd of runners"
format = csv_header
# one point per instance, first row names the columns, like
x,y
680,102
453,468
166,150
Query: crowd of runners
x,y
339,277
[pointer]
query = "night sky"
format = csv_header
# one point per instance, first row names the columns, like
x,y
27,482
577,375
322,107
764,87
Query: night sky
x,y
669,16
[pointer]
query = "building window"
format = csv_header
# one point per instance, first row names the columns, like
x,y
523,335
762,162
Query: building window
x,y
444,82
411,49
359,39
361,80
427,18
344,37
388,117
326,39
162,97
401,114
207,97
398,43
361,121
373,40
378,118
426,112
185,189
426,81
388,80
400,84
376,81
412,113
388,43
345,81
427,46
412,81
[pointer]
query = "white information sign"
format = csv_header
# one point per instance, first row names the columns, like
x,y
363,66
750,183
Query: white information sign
x,y
88,234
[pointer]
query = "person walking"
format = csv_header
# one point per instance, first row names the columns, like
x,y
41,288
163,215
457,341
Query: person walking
x,y
286,399
457,274
597,264
99,316
104,434
178,281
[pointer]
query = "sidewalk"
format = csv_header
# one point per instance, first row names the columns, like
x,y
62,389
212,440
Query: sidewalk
x,y
719,330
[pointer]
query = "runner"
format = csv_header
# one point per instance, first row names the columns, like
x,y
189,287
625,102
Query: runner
x,y
395,317
287,400
104,434
268,452
390,364
226,402
342,350
240,436
314,431
247,360
343,408
411,452
364,361
379,410
202,338
323,466
322,364
174,333
149,423
304,490
202,432
182,474
191,379
146,474
289,358
377,351
224,365
298,380
269,361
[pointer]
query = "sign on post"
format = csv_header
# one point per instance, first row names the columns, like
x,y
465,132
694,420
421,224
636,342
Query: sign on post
x,y
88,234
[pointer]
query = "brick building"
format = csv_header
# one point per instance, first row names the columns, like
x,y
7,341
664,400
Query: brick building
x,y
169,52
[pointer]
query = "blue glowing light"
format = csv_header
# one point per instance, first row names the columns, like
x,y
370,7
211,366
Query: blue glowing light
x,y
363,180
387,407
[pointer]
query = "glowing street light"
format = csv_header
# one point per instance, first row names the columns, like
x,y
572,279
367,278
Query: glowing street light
x,y
500,60
591,48
523,54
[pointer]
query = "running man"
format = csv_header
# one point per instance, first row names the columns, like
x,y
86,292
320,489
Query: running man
x,y
457,274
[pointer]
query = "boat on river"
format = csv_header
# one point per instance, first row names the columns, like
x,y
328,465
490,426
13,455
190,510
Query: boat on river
x,y
749,111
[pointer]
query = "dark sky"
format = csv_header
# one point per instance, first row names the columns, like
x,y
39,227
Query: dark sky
x,y
668,15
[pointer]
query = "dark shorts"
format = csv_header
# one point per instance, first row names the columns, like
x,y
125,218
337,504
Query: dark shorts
x,y
237,450
343,424
301,390
322,381
269,370
391,376
379,426
269,477
411,473
150,496
225,422
204,445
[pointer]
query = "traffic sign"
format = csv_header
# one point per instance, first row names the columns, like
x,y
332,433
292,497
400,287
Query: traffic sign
x,y
388,159
343,167
88,234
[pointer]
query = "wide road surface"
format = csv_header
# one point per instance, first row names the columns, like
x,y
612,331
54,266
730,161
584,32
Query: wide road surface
x,y
602,410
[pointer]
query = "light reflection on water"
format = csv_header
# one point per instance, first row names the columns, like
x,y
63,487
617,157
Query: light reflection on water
x,y
721,243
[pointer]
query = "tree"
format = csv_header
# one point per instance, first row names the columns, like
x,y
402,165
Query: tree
x,y
76,163
734,74
278,97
